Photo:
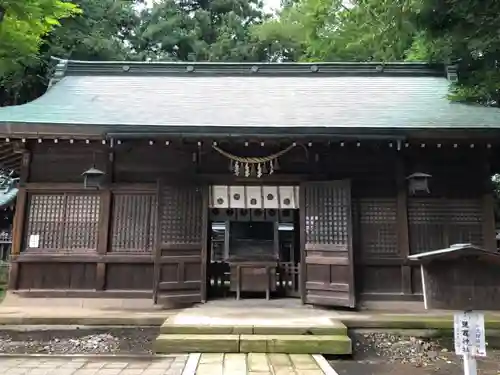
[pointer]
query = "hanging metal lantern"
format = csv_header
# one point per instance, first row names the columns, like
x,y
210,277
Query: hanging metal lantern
x,y
418,182
93,178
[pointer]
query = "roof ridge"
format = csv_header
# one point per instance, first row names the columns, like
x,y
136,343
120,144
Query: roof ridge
x,y
162,68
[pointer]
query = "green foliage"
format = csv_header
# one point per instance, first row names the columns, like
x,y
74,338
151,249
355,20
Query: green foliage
x,y
321,30
393,30
469,30
200,30
99,30
24,25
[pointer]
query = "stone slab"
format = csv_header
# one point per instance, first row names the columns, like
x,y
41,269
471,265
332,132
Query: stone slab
x,y
166,344
334,328
253,344
181,329
300,344
256,321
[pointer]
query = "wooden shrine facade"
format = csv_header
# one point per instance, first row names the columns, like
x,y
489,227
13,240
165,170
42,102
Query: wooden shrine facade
x,y
144,232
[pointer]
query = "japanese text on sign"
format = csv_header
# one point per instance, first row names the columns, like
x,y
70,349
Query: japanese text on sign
x,y
469,334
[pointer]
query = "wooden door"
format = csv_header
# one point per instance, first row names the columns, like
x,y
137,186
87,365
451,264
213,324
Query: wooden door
x,y
180,260
326,236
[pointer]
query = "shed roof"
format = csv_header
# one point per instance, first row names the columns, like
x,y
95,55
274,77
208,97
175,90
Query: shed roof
x,y
456,251
196,96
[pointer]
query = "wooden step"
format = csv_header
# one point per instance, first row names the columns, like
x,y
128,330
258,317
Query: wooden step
x,y
253,343
334,328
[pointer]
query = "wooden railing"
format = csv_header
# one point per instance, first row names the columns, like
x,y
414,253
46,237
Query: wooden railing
x,y
287,279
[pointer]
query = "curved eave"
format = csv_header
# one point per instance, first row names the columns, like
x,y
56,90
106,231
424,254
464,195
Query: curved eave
x,y
105,131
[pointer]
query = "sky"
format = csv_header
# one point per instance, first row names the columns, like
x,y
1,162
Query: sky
x,y
272,4
268,4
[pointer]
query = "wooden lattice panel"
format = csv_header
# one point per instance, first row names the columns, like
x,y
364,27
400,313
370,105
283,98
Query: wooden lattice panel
x,y
378,226
180,214
327,215
438,223
45,219
133,223
63,222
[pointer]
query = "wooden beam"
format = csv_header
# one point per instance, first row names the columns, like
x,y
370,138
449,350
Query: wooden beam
x,y
19,220
25,167
58,187
103,236
488,208
302,238
17,235
402,224
204,242
489,230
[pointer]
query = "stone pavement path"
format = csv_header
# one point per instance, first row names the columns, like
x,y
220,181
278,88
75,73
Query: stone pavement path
x,y
193,364
172,365
257,364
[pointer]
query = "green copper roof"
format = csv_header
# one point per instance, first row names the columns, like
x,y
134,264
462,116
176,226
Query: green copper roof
x,y
200,95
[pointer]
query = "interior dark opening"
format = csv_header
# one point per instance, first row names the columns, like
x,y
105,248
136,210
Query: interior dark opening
x,y
251,240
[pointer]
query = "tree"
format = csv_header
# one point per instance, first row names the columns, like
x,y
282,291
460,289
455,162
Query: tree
x,y
200,30
321,30
101,30
464,31
23,27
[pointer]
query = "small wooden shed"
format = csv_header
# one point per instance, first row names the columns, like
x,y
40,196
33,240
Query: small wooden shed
x,y
460,277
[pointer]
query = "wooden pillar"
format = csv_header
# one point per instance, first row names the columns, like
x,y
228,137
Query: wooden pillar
x,y
204,243
25,167
402,225
19,220
488,208
489,230
104,224
17,236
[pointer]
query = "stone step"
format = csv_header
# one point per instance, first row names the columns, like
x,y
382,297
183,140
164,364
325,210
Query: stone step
x,y
253,343
333,327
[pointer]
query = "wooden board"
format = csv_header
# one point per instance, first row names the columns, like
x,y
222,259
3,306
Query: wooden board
x,y
178,267
327,255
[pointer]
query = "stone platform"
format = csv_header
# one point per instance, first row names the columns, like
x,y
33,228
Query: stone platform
x,y
253,329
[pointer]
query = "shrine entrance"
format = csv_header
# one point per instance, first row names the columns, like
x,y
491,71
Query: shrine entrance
x,y
254,242
263,241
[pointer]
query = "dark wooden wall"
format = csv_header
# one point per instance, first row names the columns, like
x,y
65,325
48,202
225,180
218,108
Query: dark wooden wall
x,y
102,242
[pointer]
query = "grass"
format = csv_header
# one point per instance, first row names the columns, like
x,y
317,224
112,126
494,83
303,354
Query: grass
x,y
4,278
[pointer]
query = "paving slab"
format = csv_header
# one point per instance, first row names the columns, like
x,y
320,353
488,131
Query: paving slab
x,y
67,365
192,364
258,364
166,344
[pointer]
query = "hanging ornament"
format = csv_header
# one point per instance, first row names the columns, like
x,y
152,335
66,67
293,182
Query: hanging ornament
x,y
252,165
259,170
237,168
252,170
264,168
276,164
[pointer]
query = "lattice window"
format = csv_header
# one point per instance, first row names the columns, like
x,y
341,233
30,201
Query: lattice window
x,y
64,222
327,214
133,222
181,214
378,226
438,223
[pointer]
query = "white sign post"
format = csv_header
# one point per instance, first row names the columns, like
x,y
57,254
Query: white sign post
x,y
470,339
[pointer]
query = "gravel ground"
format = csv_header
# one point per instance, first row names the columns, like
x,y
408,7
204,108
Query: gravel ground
x,y
374,353
79,341
387,354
